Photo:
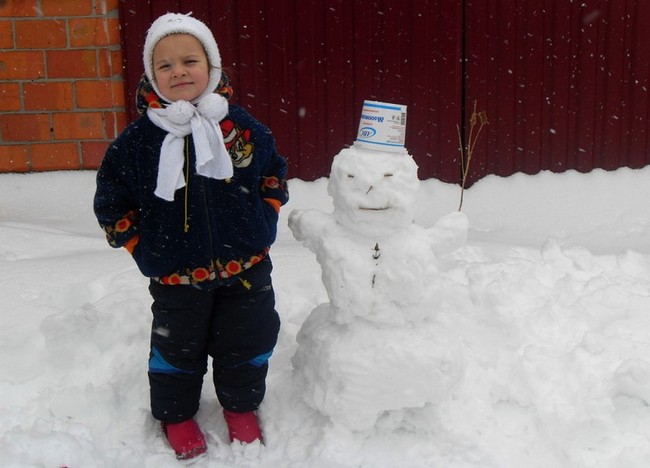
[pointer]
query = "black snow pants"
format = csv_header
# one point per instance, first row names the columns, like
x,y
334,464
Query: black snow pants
x,y
236,324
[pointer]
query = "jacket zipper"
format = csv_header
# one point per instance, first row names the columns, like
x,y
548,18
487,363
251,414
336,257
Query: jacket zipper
x,y
207,219
186,225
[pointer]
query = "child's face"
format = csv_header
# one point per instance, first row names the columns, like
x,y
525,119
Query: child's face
x,y
180,67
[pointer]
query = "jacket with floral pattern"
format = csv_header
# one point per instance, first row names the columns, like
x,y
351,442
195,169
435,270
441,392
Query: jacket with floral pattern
x,y
213,229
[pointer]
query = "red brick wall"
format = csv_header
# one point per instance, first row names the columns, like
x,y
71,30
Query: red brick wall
x,y
61,85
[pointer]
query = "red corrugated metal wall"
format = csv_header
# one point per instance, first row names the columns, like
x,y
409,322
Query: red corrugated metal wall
x,y
564,83
305,67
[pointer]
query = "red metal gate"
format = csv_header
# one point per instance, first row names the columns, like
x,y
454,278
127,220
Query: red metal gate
x,y
305,67
565,84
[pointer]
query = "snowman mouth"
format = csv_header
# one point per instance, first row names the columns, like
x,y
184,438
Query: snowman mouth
x,y
366,208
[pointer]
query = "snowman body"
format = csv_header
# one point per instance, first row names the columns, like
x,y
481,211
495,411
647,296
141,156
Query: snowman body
x,y
381,277
376,346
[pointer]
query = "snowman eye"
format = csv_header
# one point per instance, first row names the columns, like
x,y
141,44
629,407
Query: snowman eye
x,y
388,174
350,176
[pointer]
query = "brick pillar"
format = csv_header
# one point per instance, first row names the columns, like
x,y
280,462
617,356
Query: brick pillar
x,y
61,86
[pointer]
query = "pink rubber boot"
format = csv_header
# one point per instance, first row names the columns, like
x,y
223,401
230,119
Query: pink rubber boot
x,y
186,439
243,427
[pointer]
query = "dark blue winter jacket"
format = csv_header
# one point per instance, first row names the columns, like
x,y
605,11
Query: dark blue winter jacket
x,y
213,229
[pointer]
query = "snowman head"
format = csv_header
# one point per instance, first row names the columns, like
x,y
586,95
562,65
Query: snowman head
x,y
372,190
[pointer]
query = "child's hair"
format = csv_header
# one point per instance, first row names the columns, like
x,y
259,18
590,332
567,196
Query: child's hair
x,y
176,23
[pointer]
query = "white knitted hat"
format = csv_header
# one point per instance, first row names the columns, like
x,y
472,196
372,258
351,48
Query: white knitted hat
x,y
176,23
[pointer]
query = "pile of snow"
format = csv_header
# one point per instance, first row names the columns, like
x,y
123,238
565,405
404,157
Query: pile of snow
x,y
548,302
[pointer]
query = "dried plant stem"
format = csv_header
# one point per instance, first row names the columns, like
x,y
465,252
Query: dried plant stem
x,y
467,150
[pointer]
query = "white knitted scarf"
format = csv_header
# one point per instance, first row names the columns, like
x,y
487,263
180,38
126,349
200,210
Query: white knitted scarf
x,y
180,119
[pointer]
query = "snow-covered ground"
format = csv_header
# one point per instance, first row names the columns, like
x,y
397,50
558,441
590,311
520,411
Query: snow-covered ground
x,y
550,301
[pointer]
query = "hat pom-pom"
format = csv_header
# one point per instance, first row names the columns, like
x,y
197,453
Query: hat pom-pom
x,y
180,112
213,106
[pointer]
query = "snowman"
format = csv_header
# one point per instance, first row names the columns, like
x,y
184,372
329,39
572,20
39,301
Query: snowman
x,y
376,351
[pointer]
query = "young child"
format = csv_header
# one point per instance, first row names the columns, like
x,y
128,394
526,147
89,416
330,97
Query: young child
x,y
192,190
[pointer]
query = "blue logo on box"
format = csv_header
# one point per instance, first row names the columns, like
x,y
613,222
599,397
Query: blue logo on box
x,y
367,132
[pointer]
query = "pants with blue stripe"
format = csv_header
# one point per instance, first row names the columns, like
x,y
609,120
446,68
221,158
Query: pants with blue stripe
x,y
236,324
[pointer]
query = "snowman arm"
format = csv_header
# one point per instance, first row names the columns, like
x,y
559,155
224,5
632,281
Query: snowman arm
x,y
449,233
307,224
